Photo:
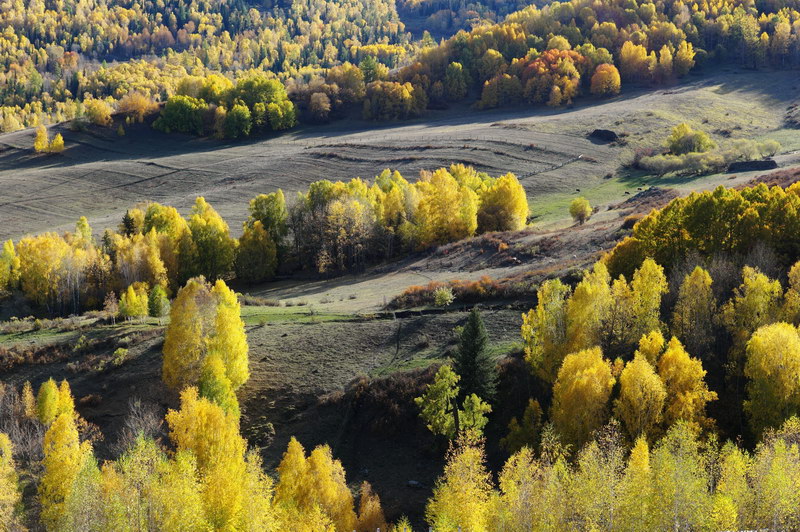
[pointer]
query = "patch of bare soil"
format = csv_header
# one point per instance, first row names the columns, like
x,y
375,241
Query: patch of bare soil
x,y
782,178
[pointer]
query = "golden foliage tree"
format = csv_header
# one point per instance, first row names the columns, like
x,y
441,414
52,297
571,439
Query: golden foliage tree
x,y
651,346
205,429
47,402
695,312
133,303
681,498
41,261
524,432
370,513
314,482
10,495
229,340
605,80
503,206
641,398
98,112
580,396
636,490
687,392
461,497
588,308
755,303
214,248
9,266
791,299
256,256
648,284
41,140
191,318
64,456
204,321
773,367
544,330
580,210
215,385
446,212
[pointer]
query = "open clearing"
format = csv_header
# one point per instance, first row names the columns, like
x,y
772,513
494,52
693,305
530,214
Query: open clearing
x,y
101,174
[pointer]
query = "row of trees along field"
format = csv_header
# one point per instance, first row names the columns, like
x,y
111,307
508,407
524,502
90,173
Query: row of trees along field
x,y
333,227
331,55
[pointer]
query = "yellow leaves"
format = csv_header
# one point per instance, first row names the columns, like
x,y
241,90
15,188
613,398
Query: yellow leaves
x,y
47,402
580,210
184,344
461,497
229,340
40,142
773,367
313,484
291,470
687,393
636,489
634,63
258,513
695,312
204,321
544,330
641,398
176,495
98,112
215,386
754,303
587,309
56,145
133,303
651,346
215,247
28,401
137,258
606,80
63,458
41,260
524,433
9,491
580,395
446,211
370,513
503,206
256,257
203,428
9,266
649,284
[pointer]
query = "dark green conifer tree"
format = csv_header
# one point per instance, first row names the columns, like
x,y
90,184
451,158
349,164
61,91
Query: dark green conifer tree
x,y
472,362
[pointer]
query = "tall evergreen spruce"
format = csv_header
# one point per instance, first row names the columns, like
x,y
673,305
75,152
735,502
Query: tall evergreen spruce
x,y
473,363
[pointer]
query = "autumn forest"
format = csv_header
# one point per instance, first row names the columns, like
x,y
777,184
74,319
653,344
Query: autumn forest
x,y
378,265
